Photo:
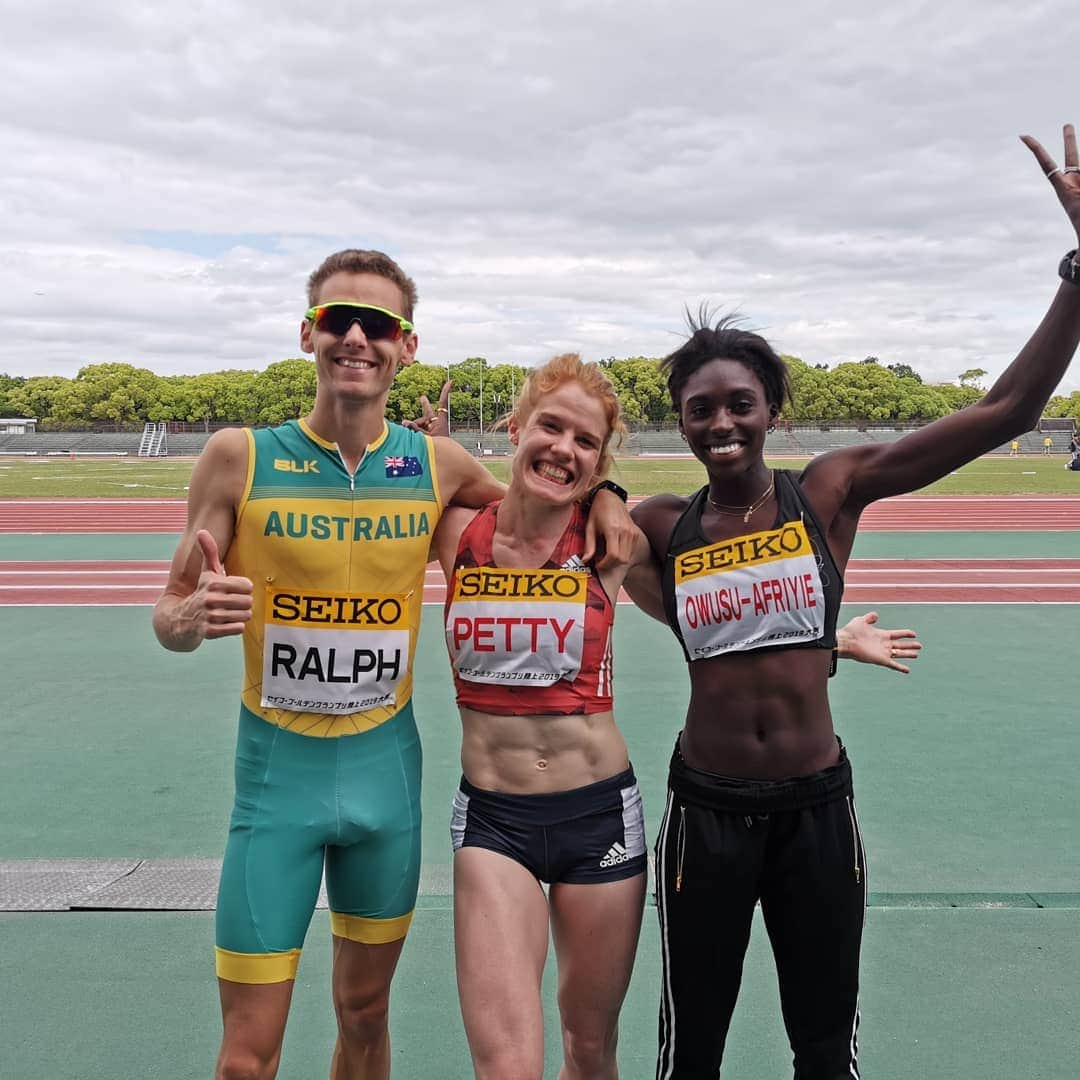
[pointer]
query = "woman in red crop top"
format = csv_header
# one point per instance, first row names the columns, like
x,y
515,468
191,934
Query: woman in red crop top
x,y
759,804
548,793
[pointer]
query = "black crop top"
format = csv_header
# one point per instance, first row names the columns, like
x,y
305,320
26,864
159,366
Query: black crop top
x,y
778,588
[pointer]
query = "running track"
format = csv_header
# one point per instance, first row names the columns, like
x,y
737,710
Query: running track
x,y
868,581
906,513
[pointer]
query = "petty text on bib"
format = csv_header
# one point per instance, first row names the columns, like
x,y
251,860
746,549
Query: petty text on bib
x,y
517,626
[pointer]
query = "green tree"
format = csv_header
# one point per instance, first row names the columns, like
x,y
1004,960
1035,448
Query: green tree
x,y
869,393
469,376
7,384
957,397
403,402
284,391
109,393
222,396
971,376
1060,405
904,371
38,396
642,389
811,392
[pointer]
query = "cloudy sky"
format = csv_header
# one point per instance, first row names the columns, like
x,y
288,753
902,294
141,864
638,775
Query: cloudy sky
x,y
566,175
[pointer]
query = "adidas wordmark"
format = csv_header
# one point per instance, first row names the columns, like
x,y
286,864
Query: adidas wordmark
x,y
616,854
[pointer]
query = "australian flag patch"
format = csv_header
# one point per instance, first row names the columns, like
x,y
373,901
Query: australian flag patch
x,y
402,466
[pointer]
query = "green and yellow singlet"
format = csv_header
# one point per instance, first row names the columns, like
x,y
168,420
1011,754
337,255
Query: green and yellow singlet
x,y
338,565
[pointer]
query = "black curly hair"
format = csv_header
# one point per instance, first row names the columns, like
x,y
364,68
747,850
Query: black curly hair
x,y
724,339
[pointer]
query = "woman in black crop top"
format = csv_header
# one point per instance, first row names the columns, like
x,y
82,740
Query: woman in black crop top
x,y
547,792
759,804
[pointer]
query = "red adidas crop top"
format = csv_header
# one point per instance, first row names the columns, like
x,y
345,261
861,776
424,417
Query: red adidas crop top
x,y
525,642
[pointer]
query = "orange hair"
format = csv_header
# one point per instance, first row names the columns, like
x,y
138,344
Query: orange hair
x,y
569,367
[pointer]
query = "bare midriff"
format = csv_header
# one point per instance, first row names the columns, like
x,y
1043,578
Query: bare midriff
x,y
532,755
760,715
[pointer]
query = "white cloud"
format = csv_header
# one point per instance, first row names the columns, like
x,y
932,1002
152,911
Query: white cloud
x,y
560,176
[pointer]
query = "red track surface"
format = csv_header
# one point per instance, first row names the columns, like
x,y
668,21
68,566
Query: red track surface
x,y
868,581
908,512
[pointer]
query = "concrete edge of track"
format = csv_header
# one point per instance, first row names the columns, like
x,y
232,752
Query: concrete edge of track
x,y
191,885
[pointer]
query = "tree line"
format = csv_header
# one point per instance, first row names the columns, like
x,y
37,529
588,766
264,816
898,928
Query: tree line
x,y
866,391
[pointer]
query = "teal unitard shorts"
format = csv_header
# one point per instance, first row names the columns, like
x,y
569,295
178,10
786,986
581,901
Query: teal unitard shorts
x,y
351,804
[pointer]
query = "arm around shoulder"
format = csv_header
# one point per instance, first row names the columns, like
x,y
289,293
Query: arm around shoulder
x,y
655,517
463,481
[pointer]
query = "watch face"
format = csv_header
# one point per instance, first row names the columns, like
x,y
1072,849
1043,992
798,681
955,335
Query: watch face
x,y
1070,268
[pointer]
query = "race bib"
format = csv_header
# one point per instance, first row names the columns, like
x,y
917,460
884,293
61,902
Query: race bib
x,y
750,592
521,627
334,653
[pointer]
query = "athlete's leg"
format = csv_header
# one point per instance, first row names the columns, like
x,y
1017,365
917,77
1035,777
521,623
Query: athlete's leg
x,y
362,975
372,874
707,865
267,892
254,1021
500,944
595,928
814,899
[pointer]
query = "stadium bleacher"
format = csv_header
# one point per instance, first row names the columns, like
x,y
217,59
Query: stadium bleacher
x,y
798,442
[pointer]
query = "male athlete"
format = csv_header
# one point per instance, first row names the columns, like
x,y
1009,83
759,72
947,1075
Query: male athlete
x,y
311,539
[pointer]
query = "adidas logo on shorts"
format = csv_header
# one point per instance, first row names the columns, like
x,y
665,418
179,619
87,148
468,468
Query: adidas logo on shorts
x,y
616,854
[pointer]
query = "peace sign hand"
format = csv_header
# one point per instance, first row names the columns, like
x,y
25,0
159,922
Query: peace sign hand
x,y
1065,180
435,421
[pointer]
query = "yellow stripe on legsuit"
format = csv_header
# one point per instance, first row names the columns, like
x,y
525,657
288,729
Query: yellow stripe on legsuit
x,y
369,931
256,968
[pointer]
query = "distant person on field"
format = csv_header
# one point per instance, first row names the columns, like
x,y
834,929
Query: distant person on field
x,y
1014,448
1048,445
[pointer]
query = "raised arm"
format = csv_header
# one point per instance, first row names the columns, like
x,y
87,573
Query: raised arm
x,y
201,600
853,477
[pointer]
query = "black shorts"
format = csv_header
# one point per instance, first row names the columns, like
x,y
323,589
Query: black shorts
x,y
586,835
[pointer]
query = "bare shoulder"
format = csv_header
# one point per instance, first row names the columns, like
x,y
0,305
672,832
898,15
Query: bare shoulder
x,y
656,516
452,460
659,506
449,452
221,469
227,448
827,480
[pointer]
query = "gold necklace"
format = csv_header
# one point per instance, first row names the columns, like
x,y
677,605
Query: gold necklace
x,y
746,511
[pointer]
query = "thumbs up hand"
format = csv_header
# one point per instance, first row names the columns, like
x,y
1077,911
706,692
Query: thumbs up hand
x,y
221,603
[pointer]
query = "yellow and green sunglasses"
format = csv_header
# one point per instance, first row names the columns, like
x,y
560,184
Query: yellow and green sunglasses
x,y
378,323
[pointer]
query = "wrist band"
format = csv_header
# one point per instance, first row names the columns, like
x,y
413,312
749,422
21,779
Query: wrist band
x,y
604,485
1069,268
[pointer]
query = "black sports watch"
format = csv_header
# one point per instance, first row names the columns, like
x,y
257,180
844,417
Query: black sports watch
x,y
1069,268
604,485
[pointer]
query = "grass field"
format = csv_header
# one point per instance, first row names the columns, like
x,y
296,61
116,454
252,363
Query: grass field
x,y
139,477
